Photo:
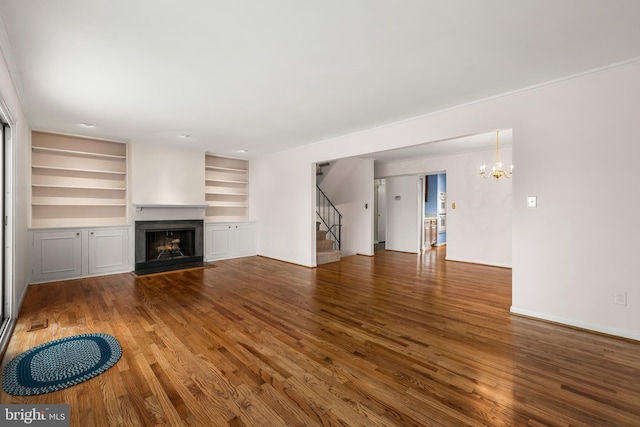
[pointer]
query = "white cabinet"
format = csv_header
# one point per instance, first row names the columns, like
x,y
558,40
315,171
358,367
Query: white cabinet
x,y
230,240
217,241
245,239
56,255
73,253
108,250
430,232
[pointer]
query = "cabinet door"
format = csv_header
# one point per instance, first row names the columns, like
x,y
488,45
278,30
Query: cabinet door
x,y
57,255
108,250
245,234
218,241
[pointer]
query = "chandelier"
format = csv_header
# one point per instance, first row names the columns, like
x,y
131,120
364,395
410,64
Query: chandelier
x,y
496,170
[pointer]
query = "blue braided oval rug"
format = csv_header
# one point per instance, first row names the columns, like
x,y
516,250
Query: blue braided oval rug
x,y
60,364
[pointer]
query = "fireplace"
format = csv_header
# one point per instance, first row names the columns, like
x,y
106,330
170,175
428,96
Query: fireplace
x,y
168,245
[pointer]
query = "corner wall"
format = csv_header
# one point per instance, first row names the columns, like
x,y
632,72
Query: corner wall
x,y
564,267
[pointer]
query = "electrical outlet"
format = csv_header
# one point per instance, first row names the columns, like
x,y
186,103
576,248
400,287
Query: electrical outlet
x,y
621,298
532,201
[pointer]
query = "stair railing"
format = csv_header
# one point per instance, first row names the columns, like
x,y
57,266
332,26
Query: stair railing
x,y
329,216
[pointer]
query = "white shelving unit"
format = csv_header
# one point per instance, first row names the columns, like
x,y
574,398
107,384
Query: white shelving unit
x,y
77,181
226,189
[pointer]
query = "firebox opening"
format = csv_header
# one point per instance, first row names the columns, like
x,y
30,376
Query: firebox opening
x,y
168,245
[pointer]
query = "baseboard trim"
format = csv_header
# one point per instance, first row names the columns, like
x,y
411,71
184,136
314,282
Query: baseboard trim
x,y
287,262
479,263
402,252
576,324
6,330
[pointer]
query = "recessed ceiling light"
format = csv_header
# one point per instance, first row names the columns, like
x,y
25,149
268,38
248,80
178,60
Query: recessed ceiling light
x,y
185,136
242,151
87,125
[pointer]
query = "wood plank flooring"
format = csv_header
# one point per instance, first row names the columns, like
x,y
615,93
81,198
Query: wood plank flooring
x,y
391,340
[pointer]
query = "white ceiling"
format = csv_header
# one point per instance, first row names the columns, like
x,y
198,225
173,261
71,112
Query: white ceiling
x,y
270,75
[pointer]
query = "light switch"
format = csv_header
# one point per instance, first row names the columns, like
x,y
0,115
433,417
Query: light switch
x,y
532,201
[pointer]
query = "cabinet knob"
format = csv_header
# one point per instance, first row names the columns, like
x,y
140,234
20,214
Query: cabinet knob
x,y
78,233
91,233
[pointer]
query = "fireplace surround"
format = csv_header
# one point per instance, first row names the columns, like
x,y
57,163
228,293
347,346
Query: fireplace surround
x,y
168,245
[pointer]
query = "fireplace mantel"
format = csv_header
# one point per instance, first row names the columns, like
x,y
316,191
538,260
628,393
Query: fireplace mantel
x,y
159,212
142,206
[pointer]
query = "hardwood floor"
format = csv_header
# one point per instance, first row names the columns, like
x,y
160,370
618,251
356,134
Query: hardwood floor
x,y
390,340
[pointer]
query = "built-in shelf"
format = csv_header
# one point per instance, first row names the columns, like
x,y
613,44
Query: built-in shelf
x,y
219,168
75,204
226,193
227,181
226,189
78,187
77,181
228,205
58,168
79,153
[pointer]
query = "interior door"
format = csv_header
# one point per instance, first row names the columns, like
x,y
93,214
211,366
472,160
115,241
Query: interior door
x,y
404,196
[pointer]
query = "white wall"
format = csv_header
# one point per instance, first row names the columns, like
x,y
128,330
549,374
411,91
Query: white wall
x,y
567,263
165,175
349,186
283,203
403,200
573,141
21,185
479,229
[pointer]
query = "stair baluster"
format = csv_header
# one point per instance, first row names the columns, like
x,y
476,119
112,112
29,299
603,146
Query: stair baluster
x,y
329,216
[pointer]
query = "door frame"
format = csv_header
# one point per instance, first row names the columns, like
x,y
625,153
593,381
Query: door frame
x,y
9,303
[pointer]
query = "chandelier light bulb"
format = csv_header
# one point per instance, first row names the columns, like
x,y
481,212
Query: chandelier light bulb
x,y
496,171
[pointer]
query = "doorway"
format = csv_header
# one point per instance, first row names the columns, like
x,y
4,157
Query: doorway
x,y
434,228
7,303
410,212
380,215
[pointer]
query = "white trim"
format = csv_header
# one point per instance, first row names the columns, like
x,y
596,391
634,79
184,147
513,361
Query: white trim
x,y
576,323
475,262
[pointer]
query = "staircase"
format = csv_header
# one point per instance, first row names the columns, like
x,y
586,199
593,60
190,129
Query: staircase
x,y
329,238
325,253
